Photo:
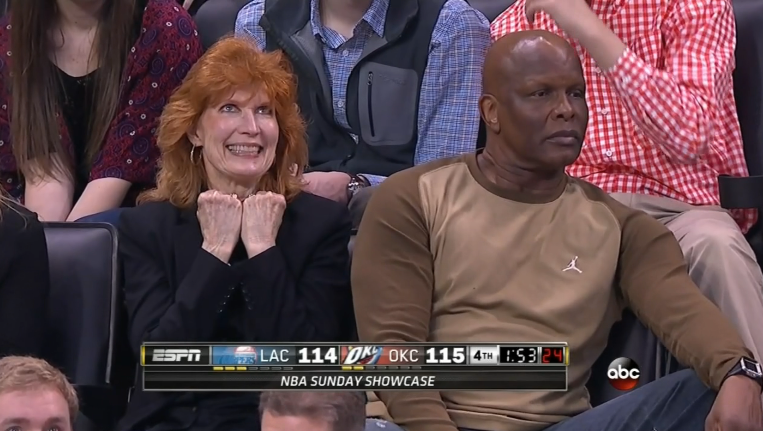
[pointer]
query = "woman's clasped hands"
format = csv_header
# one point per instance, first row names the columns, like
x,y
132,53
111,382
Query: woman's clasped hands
x,y
224,219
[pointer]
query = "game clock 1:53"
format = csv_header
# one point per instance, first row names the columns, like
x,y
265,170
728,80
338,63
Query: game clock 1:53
x,y
532,355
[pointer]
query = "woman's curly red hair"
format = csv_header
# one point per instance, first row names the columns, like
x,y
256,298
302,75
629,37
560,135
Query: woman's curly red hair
x,y
231,64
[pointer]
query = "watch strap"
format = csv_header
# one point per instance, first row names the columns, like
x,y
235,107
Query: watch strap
x,y
356,183
749,368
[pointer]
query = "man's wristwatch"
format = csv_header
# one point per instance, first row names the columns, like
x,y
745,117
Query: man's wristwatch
x,y
748,368
356,183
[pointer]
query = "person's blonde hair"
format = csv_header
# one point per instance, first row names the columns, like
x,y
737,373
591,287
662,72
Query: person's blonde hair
x,y
343,411
20,373
231,64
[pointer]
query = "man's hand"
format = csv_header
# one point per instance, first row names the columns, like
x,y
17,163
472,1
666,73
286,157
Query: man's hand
x,y
579,22
568,14
737,407
330,185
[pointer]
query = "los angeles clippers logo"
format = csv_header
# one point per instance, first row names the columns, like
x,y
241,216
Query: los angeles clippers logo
x,y
361,355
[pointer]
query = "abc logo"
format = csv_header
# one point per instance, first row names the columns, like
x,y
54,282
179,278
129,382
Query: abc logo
x,y
623,374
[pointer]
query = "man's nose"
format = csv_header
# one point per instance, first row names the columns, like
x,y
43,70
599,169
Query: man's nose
x,y
564,109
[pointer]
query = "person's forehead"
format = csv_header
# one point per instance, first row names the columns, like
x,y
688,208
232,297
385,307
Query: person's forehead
x,y
541,58
33,406
272,422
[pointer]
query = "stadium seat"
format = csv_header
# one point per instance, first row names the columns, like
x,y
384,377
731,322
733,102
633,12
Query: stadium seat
x,y
748,89
85,320
217,18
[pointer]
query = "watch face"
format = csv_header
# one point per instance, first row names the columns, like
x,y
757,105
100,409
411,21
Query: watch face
x,y
751,368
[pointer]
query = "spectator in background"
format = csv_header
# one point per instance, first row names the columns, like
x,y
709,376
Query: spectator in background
x,y
317,411
663,127
386,84
503,246
87,81
24,280
228,247
34,396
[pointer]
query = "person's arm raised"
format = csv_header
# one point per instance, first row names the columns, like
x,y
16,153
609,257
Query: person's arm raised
x,y
158,310
392,281
311,305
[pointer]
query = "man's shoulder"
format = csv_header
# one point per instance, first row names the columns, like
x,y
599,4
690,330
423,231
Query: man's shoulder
x,y
457,7
251,12
407,185
413,175
456,15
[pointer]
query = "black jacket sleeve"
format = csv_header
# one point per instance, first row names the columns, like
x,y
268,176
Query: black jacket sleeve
x,y
311,306
24,283
158,311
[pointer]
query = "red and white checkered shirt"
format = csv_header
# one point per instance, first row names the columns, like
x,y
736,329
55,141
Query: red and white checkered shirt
x,y
663,120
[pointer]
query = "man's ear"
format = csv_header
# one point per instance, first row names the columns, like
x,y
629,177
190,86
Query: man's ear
x,y
489,113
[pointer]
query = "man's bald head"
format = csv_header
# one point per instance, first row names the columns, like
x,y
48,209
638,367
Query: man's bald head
x,y
533,101
517,54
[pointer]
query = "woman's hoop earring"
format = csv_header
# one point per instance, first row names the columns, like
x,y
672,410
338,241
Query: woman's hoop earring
x,y
193,159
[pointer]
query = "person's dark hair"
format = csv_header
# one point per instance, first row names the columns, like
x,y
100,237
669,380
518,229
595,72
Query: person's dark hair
x,y
344,411
33,82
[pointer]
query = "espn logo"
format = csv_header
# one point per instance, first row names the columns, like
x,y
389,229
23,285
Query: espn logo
x,y
168,355
361,355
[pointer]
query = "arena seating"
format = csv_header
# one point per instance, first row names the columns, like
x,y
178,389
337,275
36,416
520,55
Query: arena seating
x,y
217,18
85,336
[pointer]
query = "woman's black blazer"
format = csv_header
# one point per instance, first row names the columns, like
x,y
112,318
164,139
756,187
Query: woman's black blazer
x,y
298,290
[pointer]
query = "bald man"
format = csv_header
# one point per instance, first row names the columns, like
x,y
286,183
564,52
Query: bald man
x,y
502,246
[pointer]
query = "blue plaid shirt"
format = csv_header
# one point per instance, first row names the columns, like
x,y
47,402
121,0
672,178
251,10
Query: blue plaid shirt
x,y
452,84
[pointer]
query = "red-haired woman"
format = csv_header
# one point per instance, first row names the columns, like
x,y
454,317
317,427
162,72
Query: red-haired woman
x,y
227,247
86,81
